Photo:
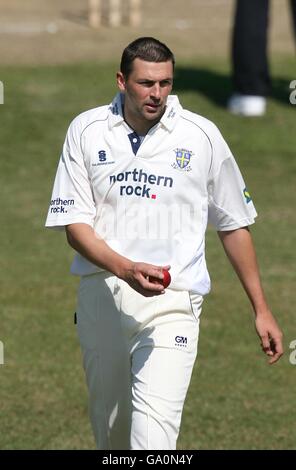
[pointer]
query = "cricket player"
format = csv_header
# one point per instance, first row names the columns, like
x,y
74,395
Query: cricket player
x,y
136,185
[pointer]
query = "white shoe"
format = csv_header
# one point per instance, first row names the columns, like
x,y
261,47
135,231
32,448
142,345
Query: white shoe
x,y
247,105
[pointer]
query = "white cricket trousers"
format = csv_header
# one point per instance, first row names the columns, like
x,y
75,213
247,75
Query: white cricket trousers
x,y
138,355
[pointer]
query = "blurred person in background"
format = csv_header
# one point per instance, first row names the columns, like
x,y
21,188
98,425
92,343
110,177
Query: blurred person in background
x,y
250,74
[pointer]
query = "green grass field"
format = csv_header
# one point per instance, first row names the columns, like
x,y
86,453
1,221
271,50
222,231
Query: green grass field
x,y
236,401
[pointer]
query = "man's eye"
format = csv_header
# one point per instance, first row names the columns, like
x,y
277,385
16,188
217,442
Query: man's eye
x,y
148,84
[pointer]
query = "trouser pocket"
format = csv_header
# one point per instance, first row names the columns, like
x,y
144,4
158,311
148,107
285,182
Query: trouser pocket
x,y
195,301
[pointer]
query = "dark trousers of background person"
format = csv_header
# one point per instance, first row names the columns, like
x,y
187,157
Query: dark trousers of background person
x,y
249,46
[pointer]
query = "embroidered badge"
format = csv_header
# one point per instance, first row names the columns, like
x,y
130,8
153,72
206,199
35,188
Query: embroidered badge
x,y
183,157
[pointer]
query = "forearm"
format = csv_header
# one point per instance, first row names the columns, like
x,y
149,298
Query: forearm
x,y
84,240
239,248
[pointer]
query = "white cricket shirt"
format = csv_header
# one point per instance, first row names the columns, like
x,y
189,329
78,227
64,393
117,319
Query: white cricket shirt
x,y
150,201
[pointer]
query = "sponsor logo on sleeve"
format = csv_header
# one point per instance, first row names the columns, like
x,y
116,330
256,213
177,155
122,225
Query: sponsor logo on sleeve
x,y
247,196
60,206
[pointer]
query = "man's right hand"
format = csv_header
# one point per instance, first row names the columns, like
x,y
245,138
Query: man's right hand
x,y
137,276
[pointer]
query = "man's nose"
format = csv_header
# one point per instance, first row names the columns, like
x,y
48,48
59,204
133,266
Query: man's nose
x,y
155,91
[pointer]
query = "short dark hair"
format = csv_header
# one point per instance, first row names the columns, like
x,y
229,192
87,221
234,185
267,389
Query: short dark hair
x,y
145,48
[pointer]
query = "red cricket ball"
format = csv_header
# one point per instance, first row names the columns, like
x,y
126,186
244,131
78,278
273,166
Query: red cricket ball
x,y
165,281
166,278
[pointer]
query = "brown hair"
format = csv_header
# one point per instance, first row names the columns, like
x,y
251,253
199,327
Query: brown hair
x,y
145,48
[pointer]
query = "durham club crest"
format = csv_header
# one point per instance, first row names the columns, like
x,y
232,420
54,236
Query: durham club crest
x,y
182,159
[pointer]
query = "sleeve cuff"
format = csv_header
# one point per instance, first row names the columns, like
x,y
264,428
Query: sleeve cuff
x,y
61,223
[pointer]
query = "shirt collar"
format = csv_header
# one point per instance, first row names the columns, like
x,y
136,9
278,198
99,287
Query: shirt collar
x,y
168,120
172,112
115,111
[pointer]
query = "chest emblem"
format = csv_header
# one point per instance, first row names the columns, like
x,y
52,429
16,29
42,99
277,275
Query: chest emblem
x,y
182,161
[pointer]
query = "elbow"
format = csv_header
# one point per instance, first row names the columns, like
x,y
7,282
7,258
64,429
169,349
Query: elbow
x,y
70,238
79,235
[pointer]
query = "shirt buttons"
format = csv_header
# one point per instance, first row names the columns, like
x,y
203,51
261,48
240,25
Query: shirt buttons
x,y
135,140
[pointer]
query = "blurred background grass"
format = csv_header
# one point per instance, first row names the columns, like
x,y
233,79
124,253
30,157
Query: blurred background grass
x,y
235,401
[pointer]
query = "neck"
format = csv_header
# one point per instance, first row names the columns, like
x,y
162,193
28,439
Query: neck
x,y
140,129
140,126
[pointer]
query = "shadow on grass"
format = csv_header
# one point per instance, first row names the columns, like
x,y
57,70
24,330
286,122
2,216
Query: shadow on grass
x,y
217,86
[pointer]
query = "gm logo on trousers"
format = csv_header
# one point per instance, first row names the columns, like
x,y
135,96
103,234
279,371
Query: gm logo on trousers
x,y
181,341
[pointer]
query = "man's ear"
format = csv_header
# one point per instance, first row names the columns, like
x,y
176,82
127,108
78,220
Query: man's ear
x,y
120,81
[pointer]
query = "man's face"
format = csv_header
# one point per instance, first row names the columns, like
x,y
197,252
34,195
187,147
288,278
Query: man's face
x,y
146,90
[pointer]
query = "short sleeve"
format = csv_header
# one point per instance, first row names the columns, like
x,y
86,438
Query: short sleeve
x,y
72,199
230,203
